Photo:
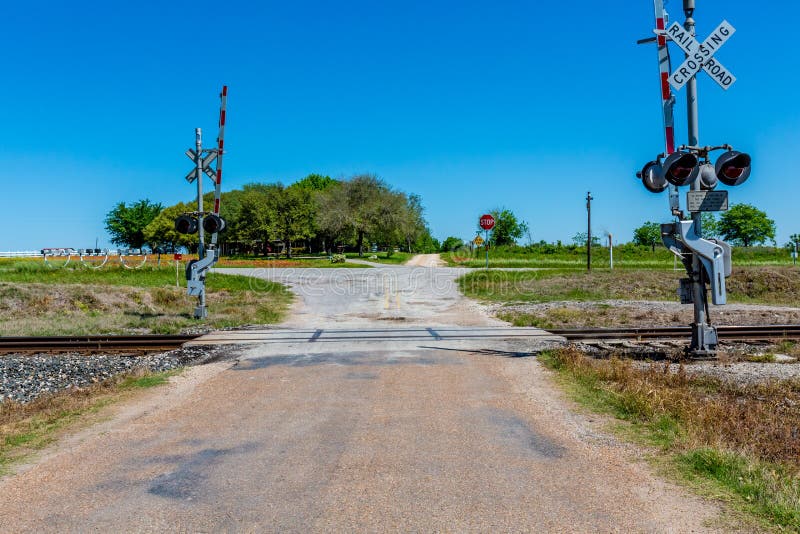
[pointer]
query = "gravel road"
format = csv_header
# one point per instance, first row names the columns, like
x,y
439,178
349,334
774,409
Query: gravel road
x,y
353,436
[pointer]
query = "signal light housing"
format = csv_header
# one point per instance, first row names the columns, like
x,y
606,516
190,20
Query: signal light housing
x,y
652,176
681,168
213,223
186,224
708,177
733,168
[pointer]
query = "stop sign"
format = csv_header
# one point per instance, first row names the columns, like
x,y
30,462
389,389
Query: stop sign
x,y
487,222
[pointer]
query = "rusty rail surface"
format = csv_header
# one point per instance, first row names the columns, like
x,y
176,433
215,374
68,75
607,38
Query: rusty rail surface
x,y
726,333
142,343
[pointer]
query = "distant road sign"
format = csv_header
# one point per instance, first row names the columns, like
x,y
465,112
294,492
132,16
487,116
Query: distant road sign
x,y
700,55
178,257
487,222
478,241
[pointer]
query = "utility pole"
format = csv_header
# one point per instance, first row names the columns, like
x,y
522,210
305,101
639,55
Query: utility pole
x,y
589,199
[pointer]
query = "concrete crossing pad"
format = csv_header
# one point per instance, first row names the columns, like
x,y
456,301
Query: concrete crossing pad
x,y
371,335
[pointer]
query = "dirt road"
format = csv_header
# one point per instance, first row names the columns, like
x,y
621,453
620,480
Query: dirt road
x,y
344,435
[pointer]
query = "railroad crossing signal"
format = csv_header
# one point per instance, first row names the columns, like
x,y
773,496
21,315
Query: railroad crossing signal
x,y
681,168
706,260
700,56
206,163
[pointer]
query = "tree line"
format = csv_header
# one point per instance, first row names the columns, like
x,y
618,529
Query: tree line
x,y
315,214
321,214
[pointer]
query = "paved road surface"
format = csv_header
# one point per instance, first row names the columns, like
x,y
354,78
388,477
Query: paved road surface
x,y
340,435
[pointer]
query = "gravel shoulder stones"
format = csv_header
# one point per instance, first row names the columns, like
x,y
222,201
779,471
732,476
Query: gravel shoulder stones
x,y
743,373
732,366
24,377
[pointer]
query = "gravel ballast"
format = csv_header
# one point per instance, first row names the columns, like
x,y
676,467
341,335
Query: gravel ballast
x,y
24,377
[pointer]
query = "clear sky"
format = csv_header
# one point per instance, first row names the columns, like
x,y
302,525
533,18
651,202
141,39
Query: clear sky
x,y
473,105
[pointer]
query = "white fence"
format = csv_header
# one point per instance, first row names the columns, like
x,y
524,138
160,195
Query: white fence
x,y
22,254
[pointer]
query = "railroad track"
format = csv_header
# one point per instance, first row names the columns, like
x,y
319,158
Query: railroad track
x,y
143,343
154,343
726,333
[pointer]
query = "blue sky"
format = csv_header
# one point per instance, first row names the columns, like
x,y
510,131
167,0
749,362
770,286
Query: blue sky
x,y
473,105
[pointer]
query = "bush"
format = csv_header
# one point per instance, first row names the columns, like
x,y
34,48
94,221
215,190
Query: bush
x,y
338,258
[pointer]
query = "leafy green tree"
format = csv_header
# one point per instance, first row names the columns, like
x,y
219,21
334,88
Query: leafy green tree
x,y
579,240
426,243
291,211
710,224
315,182
412,226
647,235
160,233
125,223
255,225
451,243
507,229
794,241
746,225
364,207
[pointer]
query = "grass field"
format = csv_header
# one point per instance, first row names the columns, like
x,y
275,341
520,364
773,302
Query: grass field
x,y
762,285
735,443
625,257
299,263
394,258
39,300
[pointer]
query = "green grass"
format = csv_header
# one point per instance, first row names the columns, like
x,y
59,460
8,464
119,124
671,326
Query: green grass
x,y
26,428
294,263
147,381
395,258
38,300
626,256
765,490
723,441
757,285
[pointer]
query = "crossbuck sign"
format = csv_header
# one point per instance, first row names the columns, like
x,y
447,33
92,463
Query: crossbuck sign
x,y
700,56
206,163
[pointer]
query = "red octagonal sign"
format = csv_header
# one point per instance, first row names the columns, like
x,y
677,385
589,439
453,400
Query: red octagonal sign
x,y
487,222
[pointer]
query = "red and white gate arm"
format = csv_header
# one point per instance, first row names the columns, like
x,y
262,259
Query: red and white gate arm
x,y
223,97
667,100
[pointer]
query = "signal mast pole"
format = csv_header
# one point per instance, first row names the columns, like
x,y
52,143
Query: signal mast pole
x,y
198,143
704,338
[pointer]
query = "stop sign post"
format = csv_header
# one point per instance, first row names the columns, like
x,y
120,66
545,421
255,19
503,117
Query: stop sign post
x,y
487,223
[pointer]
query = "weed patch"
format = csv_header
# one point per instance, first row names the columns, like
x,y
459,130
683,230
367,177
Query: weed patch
x,y
766,285
743,439
26,428
45,301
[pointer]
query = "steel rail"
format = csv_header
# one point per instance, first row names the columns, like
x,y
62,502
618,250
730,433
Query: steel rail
x,y
753,333
142,343
151,343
